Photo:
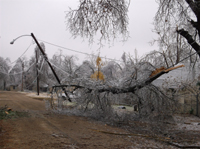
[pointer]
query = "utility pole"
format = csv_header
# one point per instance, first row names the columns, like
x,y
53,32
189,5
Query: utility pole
x,y
22,87
36,56
197,112
4,84
46,59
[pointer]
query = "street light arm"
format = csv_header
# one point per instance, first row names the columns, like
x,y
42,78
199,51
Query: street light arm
x,y
12,42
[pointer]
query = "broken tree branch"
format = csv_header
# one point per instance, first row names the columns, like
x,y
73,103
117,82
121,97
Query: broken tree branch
x,y
172,68
117,90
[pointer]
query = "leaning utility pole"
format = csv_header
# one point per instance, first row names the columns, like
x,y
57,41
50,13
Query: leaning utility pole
x,y
46,59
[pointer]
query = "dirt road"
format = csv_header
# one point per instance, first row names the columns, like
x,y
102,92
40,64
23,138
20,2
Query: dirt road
x,y
44,130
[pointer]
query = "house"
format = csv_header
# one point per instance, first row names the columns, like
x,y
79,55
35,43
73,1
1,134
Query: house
x,y
13,87
44,87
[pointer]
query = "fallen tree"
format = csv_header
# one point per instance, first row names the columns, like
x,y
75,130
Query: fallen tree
x,y
101,95
118,90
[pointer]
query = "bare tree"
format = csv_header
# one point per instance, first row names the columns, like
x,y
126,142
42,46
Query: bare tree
x,y
182,17
106,18
4,72
65,66
18,72
111,71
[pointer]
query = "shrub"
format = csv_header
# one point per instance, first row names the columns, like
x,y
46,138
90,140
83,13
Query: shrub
x,y
7,113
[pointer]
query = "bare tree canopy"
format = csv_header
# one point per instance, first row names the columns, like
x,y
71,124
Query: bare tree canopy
x,y
182,17
4,70
107,18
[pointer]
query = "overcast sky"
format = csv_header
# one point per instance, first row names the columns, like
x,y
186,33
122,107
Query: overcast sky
x,y
46,19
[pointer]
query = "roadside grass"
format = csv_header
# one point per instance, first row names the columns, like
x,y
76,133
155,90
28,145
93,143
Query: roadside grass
x,y
7,113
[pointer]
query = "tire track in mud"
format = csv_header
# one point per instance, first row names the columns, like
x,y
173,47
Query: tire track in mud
x,y
57,132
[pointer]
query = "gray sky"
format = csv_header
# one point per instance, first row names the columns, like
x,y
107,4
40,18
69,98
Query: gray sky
x,y
46,19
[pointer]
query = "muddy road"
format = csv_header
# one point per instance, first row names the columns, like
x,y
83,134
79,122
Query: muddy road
x,y
42,129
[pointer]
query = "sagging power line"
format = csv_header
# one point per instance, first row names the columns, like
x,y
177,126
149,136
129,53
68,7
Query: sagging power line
x,y
77,51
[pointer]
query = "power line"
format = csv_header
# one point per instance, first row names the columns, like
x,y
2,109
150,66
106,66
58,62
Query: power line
x,y
76,50
22,53
19,57
58,67
18,72
32,82
187,57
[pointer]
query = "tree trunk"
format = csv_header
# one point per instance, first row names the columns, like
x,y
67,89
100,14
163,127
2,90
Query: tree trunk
x,y
4,84
130,89
190,40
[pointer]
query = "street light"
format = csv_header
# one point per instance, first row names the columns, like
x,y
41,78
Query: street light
x,y
46,59
12,42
